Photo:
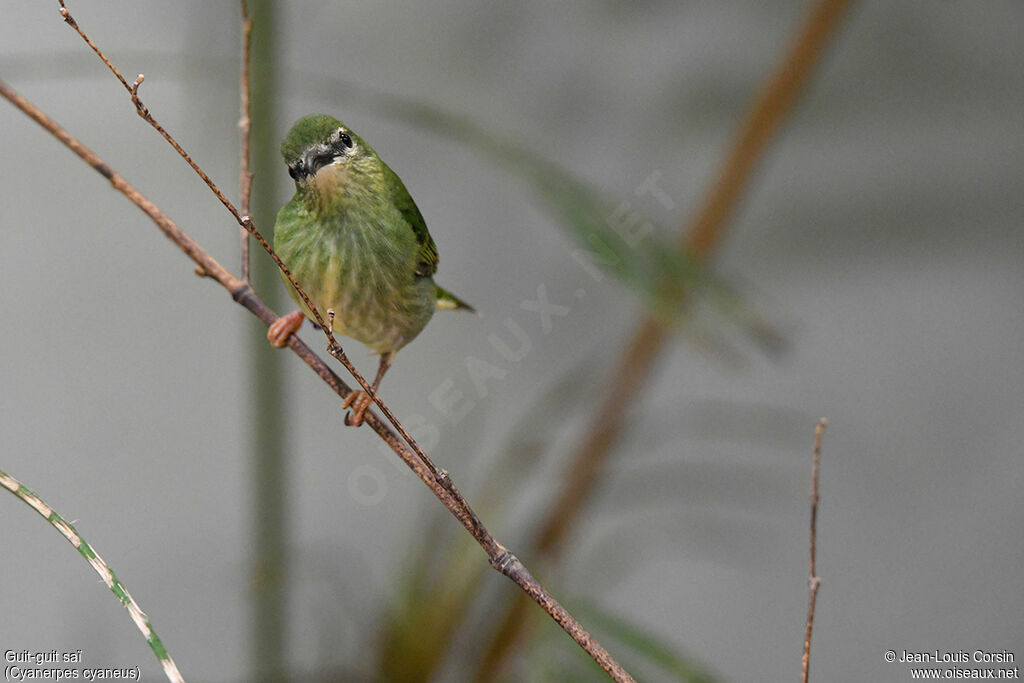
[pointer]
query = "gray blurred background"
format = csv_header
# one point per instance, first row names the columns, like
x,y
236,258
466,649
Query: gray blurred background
x,y
882,233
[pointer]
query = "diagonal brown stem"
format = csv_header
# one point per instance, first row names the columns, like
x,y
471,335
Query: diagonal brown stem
x,y
498,556
700,236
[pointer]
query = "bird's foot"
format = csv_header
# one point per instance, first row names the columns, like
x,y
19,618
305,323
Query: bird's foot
x,y
284,327
358,401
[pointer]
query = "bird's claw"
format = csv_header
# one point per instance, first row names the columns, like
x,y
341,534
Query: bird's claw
x,y
358,401
283,328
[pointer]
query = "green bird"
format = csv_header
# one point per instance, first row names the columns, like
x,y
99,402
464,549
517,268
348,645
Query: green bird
x,y
355,241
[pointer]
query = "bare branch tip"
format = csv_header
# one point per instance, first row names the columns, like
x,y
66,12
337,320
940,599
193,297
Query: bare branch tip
x,y
819,430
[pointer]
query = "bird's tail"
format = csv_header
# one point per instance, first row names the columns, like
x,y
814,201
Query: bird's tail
x,y
446,301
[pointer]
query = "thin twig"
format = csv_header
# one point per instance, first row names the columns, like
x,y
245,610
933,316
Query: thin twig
x,y
814,581
699,237
244,126
69,532
438,481
142,111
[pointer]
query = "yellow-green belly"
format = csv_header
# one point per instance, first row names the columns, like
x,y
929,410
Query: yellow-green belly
x,y
370,285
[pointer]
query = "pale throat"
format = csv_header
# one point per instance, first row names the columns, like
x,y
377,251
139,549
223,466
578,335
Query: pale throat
x,y
330,185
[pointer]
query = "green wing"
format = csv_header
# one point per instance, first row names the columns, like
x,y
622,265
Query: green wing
x,y
427,262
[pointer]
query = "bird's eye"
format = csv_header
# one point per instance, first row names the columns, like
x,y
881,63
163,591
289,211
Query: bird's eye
x,y
344,138
295,170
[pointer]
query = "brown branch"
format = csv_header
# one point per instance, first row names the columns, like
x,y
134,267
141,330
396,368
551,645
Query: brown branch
x,y
244,126
412,455
763,120
699,238
814,581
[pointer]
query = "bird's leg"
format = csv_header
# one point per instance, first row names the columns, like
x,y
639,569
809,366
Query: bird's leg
x,y
359,401
284,327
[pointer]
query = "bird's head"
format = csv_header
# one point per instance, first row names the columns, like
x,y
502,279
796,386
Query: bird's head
x,y
323,154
